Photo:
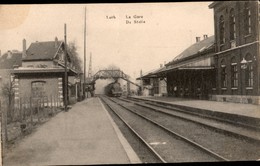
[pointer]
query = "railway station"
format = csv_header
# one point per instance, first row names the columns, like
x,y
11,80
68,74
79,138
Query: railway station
x,y
201,106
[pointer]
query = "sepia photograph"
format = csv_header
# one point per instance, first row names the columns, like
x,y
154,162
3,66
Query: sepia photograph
x,y
130,83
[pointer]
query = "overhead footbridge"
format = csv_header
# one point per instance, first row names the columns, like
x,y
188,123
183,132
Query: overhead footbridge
x,y
109,74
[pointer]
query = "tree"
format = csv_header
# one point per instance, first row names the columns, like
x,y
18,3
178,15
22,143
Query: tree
x,y
74,56
112,67
8,93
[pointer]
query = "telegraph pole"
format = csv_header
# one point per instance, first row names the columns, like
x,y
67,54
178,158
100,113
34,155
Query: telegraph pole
x,y
66,75
90,66
141,81
84,75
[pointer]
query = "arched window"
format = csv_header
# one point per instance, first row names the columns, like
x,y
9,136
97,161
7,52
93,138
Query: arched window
x,y
232,21
223,74
234,73
221,30
38,89
249,73
247,19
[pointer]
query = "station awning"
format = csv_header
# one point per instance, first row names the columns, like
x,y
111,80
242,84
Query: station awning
x,y
187,68
162,73
42,70
196,68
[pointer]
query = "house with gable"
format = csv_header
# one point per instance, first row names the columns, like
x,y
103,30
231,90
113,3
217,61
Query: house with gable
x,y
42,73
9,60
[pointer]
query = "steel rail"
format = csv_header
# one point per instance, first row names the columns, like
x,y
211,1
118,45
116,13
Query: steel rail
x,y
208,151
138,136
231,133
172,107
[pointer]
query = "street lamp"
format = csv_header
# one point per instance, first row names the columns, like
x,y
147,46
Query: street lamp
x,y
243,67
243,64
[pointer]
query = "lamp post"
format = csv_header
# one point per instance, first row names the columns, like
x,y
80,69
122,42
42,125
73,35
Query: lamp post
x,y
84,75
243,64
66,74
243,67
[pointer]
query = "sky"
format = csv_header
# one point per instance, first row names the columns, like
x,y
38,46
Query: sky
x,y
163,30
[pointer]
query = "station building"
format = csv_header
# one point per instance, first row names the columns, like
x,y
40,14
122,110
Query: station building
x,y
236,25
223,67
191,73
41,74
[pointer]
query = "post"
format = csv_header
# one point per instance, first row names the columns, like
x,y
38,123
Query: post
x,y
43,110
4,122
66,76
48,106
84,75
20,110
31,111
52,105
38,114
24,108
141,82
55,104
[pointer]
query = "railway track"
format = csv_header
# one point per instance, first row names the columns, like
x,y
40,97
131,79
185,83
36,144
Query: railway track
x,y
166,144
249,133
255,126
223,143
229,144
156,158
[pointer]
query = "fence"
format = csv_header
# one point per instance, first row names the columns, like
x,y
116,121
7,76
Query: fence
x,y
21,115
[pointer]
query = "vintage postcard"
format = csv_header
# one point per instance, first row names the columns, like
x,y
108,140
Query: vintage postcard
x,y
128,83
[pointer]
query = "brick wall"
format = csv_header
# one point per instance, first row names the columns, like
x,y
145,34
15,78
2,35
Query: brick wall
x,y
244,44
51,86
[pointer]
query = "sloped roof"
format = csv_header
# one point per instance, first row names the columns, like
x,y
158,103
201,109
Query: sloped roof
x,y
152,73
42,50
8,60
200,46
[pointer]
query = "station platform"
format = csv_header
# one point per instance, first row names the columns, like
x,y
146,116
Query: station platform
x,y
243,112
85,135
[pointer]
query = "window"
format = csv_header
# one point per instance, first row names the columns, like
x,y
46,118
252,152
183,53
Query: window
x,y
223,74
247,19
232,22
221,30
38,90
234,73
249,72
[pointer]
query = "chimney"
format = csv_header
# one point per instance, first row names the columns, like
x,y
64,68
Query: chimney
x,y
9,54
56,42
205,36
24,48
197,39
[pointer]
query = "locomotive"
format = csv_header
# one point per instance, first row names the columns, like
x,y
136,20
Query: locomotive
x,y
113,89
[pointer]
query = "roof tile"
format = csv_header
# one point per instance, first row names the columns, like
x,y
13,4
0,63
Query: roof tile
x,y
42,50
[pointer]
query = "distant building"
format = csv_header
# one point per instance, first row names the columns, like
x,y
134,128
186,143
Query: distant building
x,y
153,83
41,75
237,56
8,61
